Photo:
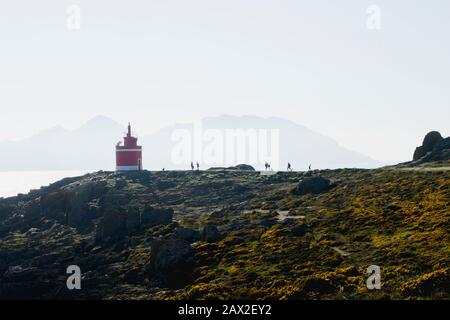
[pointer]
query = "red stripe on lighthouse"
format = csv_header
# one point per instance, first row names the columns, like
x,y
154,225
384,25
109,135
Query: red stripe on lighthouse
x,y
128,155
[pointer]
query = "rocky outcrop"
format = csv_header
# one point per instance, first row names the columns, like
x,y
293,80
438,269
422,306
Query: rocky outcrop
x,y
133,220
79,200
171,261
239,167
210,233
314,185
187,234
113,224
153,216
430,140
434,148
299,230
242,167
117,223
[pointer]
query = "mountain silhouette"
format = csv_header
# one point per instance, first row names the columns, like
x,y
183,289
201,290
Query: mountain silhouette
x,y
91,146
296,144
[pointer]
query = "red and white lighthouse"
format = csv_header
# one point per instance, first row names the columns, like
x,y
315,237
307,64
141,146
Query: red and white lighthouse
x,y
128,155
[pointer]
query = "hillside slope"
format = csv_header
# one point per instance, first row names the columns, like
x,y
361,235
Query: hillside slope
x,y
229,234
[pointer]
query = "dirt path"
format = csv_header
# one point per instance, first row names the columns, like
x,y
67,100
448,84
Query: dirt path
x,y
284,214
424,169
343,253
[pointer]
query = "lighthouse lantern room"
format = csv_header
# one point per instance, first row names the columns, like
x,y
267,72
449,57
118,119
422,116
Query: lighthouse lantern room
x,y
128,155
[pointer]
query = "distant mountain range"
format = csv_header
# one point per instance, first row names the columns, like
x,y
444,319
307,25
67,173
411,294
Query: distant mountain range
x,y
215,141
90,146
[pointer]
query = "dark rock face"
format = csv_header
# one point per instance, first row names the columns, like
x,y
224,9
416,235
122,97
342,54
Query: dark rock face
x,y
433,148
313,185
113,224
299,231
217,214
267,222
78,210
23,283
188,234
71,205
171,261
429,142
116,223
133,220
318,285
431,139
155,216
242,167
211,234
239,167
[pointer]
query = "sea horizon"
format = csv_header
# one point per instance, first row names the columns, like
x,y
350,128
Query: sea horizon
x,y
13,183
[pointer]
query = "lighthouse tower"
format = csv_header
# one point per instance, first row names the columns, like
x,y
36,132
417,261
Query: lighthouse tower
x,y
128,155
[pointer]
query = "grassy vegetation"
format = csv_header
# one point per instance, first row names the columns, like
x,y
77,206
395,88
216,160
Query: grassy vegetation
x,y
398,220
274,245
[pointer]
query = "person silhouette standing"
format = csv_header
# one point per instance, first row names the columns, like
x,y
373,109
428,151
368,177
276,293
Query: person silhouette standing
x,y
289,168
192,166
198,166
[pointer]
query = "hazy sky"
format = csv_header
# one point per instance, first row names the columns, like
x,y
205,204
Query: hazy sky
x,y
159,62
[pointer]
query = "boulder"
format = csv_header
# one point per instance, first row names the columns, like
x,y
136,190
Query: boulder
x,y
113,224
267,222
119,222
5,210
54,205
79,213
314,185
133,220
33,209
238,224
210,233
319,285
239,167
429,142
188,234
171,261
299,231
114,199
431,139
433,148
154,216
217,214
242,167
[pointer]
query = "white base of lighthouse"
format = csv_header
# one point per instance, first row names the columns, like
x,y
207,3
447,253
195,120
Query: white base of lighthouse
x,y
128,168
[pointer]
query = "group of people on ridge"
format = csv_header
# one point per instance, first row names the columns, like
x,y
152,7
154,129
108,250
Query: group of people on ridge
x,y
192,166
266,165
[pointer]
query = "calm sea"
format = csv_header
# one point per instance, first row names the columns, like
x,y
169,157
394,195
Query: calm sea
x,y
14,182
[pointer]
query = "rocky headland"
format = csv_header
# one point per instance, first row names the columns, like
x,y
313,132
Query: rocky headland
x,y
233,233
